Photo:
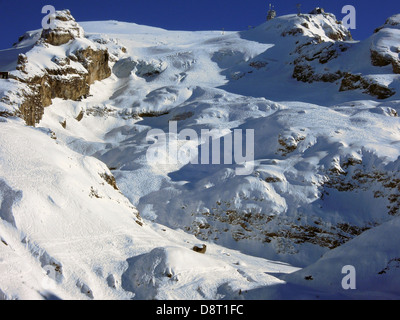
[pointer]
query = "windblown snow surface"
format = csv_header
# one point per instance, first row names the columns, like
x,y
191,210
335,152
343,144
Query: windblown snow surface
x,y
322,191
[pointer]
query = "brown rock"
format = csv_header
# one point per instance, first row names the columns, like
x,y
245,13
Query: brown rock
x,y
200,249
65,30
356,81
62,81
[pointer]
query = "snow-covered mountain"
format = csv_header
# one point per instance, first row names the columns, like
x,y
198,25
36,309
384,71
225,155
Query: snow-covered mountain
x,y
86,215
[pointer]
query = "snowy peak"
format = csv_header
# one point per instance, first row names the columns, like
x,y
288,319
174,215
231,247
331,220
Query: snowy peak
x,y
61,64
323,26
385,44
64,30
392,22
319,26
316,48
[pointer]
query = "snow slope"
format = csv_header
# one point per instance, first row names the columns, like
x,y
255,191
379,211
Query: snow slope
x,y
322,192
67,233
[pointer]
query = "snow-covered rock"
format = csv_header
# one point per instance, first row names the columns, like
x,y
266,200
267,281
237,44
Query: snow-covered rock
x,y
385,49
61,64
64,30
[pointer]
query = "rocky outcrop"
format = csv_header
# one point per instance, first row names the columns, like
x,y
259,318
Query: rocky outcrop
x,y
357,81
285,234
321,38
65,75
54,84
320,26
352,175
305,73
312,55
385,48
317,10
380,59
391,22
313,61
65,29
95,62
311,58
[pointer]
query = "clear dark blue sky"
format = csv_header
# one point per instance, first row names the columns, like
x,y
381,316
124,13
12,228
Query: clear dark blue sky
x,y
18,16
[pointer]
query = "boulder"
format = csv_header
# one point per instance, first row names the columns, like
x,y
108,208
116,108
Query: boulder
x,y
200,248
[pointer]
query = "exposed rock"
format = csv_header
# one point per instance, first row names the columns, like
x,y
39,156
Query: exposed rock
x,y
21,62
80,116
332,29
182,116
109,178
49,86
306,73
199,249
391,266
288,144
384,50
393,21
312,56
303,73
380,60
317,10
353,176
65,77
292,32
95,62
396,66
357,81
258,64
65,29
285,234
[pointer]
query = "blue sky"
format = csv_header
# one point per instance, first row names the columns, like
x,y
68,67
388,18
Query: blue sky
x,y
18,16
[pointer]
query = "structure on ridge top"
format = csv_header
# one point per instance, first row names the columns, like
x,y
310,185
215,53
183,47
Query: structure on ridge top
x,y
271,13
298,8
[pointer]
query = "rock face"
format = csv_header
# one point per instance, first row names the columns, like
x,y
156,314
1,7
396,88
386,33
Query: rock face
x,y
316,61
357,81
385,49
51,85
329,28
65,29
95,62
66,74
313,57
316,47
